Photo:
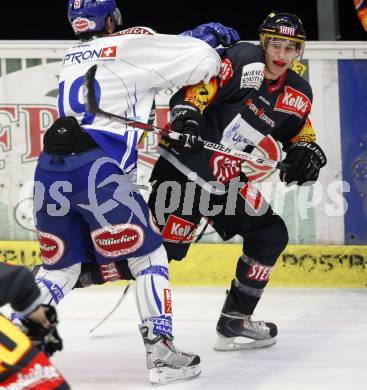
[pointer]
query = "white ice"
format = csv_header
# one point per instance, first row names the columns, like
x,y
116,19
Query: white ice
x,y
322,342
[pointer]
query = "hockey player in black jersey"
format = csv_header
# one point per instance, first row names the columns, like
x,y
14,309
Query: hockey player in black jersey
x,y
257,94
24,362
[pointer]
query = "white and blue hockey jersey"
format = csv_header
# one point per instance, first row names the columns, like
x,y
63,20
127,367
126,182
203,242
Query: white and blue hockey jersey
x,y
133,65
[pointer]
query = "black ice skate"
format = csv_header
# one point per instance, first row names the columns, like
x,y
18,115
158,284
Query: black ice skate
x,y
166,363
238,331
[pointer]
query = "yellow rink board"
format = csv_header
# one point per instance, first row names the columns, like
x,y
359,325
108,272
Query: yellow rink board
x,y
215,264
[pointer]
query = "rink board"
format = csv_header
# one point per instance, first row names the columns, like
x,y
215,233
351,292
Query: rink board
x,y
215,264
337,72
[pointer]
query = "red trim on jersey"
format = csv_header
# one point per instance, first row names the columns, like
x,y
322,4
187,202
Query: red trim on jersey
x,y
274,87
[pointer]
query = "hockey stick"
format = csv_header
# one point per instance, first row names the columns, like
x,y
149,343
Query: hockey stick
x,y
109,314
92,107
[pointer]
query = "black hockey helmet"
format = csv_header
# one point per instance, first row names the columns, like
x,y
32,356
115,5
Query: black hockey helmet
x,y
282,25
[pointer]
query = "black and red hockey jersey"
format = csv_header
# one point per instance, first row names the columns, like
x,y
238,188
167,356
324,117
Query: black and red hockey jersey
x,y
241,107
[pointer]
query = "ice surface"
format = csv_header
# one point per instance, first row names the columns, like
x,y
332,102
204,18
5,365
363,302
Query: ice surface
x,y
322,342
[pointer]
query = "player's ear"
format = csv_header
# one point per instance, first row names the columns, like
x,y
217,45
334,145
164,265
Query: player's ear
x,y
110,24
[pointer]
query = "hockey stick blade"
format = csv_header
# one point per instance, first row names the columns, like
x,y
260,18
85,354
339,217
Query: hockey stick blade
x,y
88,90
92,106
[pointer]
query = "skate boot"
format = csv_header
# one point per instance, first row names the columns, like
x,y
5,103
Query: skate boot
x,y
166,363
238,331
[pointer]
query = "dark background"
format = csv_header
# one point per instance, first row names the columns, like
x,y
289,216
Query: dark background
x,y
48,19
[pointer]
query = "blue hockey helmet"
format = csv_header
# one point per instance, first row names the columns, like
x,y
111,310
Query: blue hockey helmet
x,y
88,16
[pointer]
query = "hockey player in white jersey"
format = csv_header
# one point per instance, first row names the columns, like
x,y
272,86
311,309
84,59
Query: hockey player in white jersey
x,y
98,214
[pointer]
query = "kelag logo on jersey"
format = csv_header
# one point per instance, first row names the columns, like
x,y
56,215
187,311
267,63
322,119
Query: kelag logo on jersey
x,y
86,55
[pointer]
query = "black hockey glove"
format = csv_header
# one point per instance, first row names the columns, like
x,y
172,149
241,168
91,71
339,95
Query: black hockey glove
x,y
46,340
189,123
305,159
65,136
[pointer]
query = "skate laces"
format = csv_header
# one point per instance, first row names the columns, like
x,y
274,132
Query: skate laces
x,y
171,346
254,324
246,319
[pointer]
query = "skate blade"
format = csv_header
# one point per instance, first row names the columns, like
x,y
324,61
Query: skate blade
x,y
164,375
231,343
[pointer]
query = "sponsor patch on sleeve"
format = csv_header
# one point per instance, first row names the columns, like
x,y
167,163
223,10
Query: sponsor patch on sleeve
x,y
201,95
306,134
252,75
226,71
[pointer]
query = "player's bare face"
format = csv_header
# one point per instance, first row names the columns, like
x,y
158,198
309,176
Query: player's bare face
x,y
279,54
